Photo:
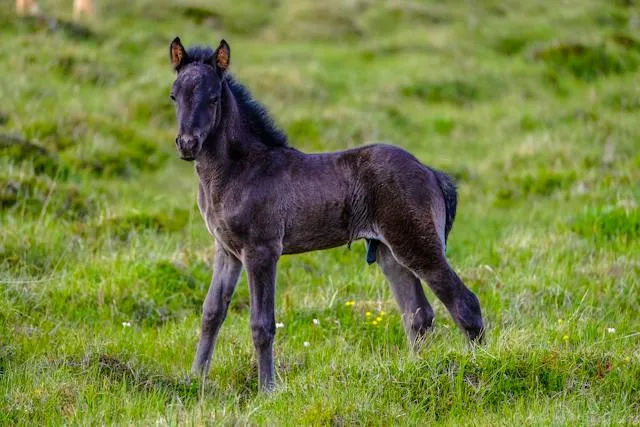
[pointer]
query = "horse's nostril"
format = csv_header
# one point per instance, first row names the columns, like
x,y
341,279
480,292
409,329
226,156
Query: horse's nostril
x,y
187,141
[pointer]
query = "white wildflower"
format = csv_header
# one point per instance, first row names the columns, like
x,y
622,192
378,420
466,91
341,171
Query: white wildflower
x,y
316,322
126,324
306,344
279,325
611,330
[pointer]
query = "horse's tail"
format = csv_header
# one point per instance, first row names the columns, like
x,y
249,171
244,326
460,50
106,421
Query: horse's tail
x,y
450,194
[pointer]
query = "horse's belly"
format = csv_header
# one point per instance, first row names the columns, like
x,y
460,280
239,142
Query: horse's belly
x,y
299,246
312,234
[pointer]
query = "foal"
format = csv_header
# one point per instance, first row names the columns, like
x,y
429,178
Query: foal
x,y
261,198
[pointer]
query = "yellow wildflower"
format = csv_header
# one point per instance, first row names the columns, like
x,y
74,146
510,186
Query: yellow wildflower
x,y
368,313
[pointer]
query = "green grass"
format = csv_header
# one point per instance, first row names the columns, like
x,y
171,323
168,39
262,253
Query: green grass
x,y
532,106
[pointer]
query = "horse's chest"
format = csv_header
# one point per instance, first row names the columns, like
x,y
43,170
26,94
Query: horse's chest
x,y
218,223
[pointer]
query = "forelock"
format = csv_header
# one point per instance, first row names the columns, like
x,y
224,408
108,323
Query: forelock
x,y
201,54
193,72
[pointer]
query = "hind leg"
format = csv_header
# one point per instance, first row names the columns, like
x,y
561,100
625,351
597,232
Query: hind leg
x,y
417,314
463,305
425,257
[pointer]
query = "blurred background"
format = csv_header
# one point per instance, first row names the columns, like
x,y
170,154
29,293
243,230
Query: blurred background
x,y
533,106
439,77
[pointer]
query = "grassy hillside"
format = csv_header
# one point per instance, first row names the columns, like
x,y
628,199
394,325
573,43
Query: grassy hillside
x,y
534,107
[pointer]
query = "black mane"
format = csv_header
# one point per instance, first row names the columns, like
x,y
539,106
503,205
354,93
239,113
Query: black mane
x,y
257,116
255,113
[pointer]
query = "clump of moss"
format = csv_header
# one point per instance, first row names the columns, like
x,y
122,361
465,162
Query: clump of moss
x,y
626,40
114,149
21,150
102,145
57,134
30,194
587,62
16,256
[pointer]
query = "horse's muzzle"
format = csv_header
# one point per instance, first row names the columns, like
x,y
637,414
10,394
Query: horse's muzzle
x,y
188,147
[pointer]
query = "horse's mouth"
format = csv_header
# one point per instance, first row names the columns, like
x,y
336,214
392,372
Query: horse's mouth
x,y
188,150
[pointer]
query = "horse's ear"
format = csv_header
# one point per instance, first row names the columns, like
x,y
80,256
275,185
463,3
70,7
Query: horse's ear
x,y
223,56
177,54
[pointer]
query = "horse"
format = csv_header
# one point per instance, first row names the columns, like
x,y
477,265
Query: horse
x,y
80,7
260,198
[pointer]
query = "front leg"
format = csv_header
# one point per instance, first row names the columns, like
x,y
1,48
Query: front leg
x,y
226,272
260,263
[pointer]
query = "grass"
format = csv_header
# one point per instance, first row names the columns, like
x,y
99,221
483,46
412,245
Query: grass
x,y
104,260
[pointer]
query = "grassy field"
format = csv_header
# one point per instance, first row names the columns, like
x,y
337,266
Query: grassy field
x,y
534,107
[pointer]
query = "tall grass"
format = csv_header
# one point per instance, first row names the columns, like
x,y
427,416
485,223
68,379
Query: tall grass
x,y
104,260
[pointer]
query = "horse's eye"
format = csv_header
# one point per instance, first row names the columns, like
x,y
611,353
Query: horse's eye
x,y
213,100
172,96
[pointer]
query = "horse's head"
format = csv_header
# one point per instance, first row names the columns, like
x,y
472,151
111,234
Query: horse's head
x,y
196,94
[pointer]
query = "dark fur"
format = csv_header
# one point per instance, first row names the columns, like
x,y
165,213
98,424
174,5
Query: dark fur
x,y
261,198
450,195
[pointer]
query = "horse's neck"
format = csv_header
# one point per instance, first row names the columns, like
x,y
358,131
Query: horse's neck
x,y
222,158
232,149
214,161
214,165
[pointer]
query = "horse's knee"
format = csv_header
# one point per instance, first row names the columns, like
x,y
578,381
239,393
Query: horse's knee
x,y
263,333
214,308
212,314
